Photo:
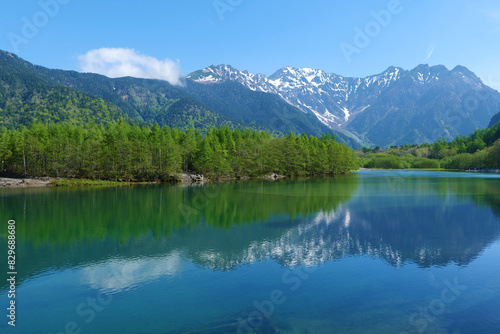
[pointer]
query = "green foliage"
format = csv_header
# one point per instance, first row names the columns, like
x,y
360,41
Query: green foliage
x,y
478,160
494,154
85,183
480,150
478,140
123,152
425,163
438,147
387,161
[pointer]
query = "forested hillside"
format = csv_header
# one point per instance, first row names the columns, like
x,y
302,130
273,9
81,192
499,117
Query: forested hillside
x,y
32,93
25,98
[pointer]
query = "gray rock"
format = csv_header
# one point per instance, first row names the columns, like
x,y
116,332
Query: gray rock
x,y
274,176
190,178
17,183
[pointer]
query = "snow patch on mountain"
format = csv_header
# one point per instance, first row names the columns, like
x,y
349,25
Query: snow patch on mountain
x,y
346,113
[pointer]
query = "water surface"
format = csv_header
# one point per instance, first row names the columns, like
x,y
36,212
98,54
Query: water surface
x,y
372,252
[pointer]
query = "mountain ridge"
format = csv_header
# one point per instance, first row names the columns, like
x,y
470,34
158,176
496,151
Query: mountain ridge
x,y
369,108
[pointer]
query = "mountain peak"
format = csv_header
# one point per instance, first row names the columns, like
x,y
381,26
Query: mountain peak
x,y
426,68
287,69
391,69
467,75
462,69
439,68
422,68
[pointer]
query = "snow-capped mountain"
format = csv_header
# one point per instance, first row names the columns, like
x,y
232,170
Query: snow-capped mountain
x,y
396,106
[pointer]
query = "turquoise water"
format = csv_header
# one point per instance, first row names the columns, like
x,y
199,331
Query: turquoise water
x,y
372,252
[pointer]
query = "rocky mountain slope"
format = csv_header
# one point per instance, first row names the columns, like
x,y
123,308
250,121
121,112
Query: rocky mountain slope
x,y
394,107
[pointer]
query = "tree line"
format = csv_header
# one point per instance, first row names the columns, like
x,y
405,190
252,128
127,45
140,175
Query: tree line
x,y
125,152
481,149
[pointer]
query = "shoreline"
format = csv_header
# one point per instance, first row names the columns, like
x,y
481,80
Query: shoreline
x,y
183,178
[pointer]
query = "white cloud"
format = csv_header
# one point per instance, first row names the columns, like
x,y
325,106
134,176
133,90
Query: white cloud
x,y
121,62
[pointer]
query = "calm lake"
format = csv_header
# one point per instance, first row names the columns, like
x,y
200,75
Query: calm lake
x,y
371,252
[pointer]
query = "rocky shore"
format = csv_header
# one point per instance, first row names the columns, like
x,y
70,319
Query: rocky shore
x,y
21,183
191,178
185,178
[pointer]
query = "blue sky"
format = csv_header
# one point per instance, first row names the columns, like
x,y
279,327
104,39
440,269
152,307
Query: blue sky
x,y
261,36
